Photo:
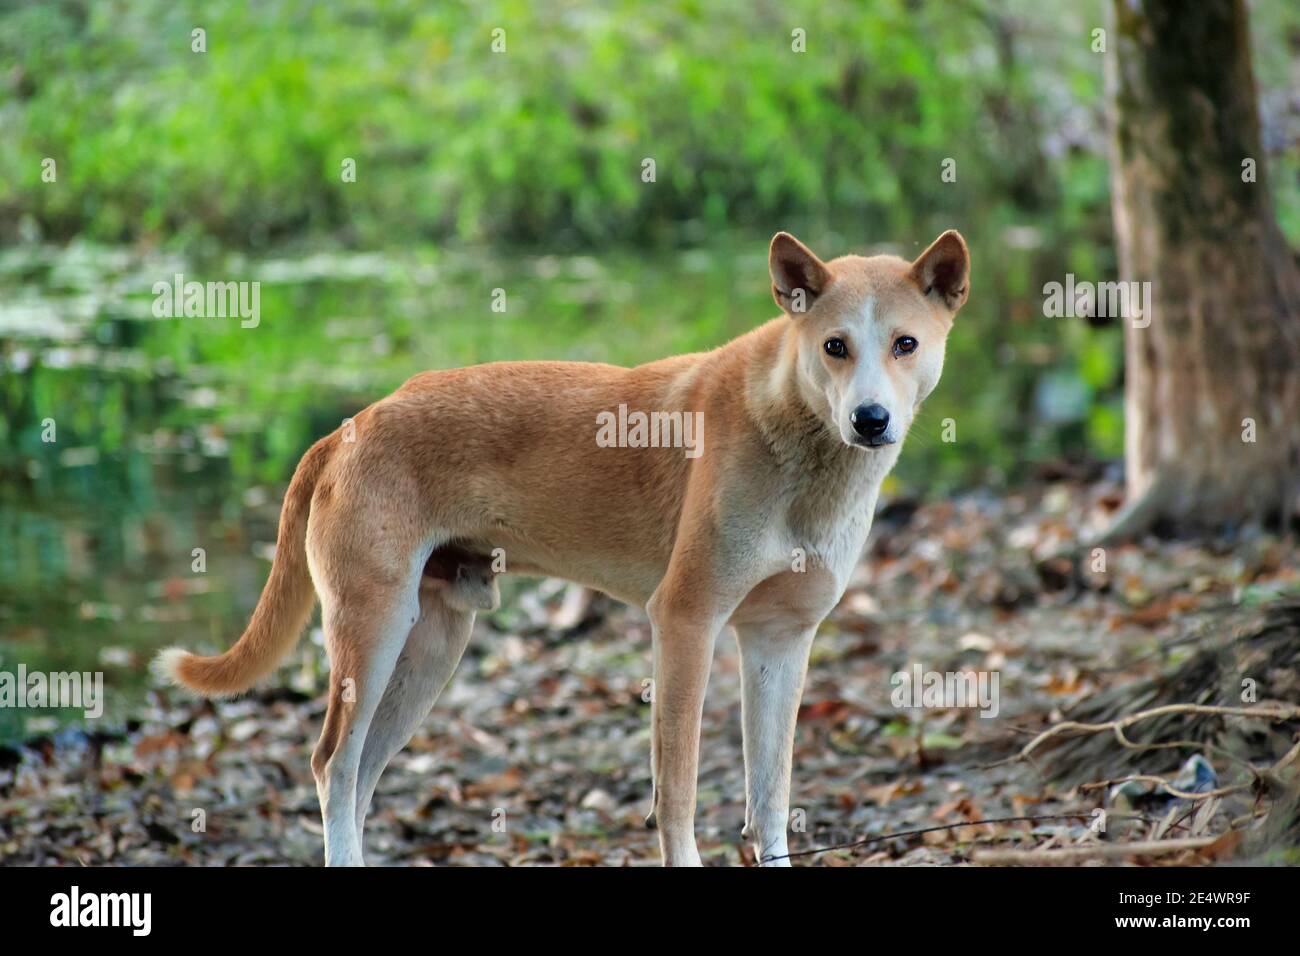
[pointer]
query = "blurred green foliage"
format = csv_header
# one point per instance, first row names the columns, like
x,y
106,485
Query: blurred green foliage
x,y
544,142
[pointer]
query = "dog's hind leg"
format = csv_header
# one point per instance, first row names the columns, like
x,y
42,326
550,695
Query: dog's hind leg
x,y
365,630
433,650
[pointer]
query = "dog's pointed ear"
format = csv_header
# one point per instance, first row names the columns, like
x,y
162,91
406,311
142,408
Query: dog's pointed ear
x,y
943,270
798,276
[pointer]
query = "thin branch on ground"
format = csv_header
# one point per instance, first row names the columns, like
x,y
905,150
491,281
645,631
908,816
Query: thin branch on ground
x,y
964,823
1073,854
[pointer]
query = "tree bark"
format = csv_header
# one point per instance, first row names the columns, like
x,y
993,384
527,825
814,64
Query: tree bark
x,y
1222,350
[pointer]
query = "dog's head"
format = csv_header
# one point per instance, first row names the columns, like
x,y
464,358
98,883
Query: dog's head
x,y
871,331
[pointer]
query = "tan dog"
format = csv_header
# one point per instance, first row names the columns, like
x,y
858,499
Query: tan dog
x,y
803,417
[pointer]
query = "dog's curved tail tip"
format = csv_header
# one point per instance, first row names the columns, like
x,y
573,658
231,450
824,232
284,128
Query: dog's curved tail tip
x,y
281,613
177,667
174,666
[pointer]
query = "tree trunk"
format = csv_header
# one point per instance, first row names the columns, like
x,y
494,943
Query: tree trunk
x,y
1219,363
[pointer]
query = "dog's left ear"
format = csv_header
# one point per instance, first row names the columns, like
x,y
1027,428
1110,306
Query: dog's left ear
x,y
798,276
943,270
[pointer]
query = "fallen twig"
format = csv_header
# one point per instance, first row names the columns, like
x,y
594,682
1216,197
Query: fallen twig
x,y
1087,815
1073,854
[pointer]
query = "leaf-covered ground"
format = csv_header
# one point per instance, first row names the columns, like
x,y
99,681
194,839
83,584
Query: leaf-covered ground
x,y
538,753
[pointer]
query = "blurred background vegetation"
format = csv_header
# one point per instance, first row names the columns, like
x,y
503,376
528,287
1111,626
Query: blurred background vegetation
x,y
519,170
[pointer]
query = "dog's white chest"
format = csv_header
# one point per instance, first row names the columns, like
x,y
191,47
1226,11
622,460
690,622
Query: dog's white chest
x,y
809,561
831,520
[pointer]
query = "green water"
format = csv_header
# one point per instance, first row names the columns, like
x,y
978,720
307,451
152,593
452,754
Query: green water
x,y
176,434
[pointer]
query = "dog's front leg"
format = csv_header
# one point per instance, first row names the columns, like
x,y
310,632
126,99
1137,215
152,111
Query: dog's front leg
x,y
683,651
773,662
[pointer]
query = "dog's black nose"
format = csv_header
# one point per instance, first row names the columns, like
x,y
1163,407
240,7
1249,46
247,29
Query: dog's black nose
x,y
870,421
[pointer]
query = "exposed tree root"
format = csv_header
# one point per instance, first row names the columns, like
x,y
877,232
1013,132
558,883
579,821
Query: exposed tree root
x,y
1180,709
1273,712
1134,519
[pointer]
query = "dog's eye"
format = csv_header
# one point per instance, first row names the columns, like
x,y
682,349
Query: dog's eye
x,y
904,345
836,348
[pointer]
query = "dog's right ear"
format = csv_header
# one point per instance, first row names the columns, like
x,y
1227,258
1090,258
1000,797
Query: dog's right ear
x,y
798,276
943,270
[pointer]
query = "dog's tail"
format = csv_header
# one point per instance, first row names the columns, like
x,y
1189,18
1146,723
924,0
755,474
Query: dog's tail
x,y
282,611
